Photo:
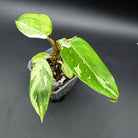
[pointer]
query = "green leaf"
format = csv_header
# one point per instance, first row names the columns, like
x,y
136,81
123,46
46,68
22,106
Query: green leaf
x,y
60,41
34,25
41,81
88,67
66,70
39,56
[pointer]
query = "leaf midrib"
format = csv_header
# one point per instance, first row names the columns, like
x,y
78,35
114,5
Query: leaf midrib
x,y
32,28
90,67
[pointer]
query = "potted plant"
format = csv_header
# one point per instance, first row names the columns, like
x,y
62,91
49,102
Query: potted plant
x,y
70,58
62,83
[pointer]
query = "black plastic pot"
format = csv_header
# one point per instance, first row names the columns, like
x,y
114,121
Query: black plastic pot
x,y
56,95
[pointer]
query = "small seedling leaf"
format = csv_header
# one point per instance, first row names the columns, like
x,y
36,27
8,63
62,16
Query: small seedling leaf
x,y
66,70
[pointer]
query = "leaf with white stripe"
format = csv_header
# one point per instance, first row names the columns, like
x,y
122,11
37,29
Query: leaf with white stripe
x,y
88,67
41,81
34,25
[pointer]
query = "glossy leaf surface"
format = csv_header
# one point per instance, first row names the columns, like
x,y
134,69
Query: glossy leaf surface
x,y
66,70
88,67
34,25
40,87
39,56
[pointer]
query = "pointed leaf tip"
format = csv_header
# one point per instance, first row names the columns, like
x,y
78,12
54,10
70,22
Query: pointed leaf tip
x,y
113,100
41,118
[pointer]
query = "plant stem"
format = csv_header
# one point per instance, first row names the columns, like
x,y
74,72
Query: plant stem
x,y
56,50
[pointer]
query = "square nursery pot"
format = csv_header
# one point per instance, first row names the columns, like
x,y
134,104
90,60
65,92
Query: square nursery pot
x,y
56,95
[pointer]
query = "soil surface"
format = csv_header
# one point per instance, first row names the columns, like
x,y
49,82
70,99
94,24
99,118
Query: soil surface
x,y
59,79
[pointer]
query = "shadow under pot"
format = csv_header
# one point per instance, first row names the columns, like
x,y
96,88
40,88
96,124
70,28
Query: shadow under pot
x,y
64,89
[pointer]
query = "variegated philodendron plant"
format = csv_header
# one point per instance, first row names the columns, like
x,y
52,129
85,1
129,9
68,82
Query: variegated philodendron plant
x,y
76,57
